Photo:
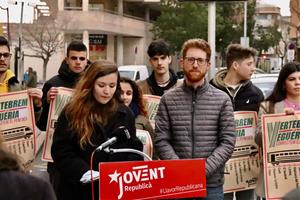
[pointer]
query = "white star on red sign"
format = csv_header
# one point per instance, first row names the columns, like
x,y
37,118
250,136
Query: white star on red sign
x,y
114,176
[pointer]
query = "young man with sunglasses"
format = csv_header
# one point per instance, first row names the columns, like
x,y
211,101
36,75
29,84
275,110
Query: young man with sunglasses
x,y
162,78
8,80
235,81
195,120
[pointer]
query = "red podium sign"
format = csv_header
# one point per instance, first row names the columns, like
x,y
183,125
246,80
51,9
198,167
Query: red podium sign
x,y
160,179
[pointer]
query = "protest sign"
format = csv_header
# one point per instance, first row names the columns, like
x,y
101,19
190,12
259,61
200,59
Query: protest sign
x,y
281,153
152,106
17,125
145,138
242,169
56,105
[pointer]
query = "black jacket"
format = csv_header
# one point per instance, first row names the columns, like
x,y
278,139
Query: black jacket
x,y
247,98
72,161
65,78
17,185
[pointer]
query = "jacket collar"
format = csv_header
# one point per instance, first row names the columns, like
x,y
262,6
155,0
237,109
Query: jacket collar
x,y
200,89
157,90
218,80
65,72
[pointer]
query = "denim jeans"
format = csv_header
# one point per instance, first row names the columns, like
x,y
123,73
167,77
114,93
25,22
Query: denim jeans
x,y
213,193
240,195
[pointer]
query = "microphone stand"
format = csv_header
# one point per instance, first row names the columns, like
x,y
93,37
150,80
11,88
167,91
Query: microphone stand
x,y
112,151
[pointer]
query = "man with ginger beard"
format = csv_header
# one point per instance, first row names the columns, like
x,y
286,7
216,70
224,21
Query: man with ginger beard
x,y
195,120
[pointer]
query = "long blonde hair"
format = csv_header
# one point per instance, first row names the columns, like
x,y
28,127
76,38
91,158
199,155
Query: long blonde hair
x,y
83,110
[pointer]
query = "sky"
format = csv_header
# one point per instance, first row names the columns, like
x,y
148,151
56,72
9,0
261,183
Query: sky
x,y
28,11
14,12
283,4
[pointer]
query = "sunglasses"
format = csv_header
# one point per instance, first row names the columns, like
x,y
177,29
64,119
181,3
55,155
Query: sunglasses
x,y
5,55
76,58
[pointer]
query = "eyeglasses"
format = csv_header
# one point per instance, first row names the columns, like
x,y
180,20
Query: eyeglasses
x,y
76,58
200,61
5,55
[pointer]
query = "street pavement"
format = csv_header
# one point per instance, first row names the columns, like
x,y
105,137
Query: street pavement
x,y
39,168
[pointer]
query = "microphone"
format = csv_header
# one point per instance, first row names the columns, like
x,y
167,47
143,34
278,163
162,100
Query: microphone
x,y
121,134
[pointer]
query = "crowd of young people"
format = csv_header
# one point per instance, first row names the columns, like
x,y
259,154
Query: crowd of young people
x,y
195,117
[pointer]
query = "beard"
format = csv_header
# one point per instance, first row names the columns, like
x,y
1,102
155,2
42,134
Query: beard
x,y
193,76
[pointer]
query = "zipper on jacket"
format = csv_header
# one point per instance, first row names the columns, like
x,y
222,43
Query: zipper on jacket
x,y
194,95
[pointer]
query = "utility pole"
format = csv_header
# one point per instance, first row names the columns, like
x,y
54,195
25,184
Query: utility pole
x,y
7,22
19,56
20,70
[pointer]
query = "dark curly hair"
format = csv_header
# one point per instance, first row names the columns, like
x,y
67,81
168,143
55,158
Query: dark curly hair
x,y
137,96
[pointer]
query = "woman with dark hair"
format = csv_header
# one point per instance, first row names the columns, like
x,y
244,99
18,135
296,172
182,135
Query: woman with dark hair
x,y
133,98
92,116
287,77
285,98
16,184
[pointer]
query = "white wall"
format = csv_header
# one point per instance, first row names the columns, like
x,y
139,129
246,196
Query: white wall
x,y
37,64
130,58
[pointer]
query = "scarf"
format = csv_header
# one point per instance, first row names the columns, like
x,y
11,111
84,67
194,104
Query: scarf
x,y
135,109
157,90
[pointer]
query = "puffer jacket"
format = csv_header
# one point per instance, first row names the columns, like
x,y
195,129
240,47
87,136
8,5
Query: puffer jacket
x,y
196,123
246,98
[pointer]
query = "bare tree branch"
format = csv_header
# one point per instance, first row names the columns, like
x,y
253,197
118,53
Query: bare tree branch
x,y
44,38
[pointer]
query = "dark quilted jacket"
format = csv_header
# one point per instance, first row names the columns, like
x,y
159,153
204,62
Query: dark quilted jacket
x,y
65,78
196,124
247,98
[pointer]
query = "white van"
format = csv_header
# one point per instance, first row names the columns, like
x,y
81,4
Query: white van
x,y
134,72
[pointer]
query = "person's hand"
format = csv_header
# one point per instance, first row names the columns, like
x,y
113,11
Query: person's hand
x,y
289,111
52,93
36,95
86,177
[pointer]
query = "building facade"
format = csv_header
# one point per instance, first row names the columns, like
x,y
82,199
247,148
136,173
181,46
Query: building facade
x,y
115,30
267,15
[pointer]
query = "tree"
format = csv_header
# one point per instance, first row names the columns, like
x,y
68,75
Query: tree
x,y
266,37
44,38
181,21
230,23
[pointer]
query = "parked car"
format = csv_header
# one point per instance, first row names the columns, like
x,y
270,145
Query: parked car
x,y
134,72
265,82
